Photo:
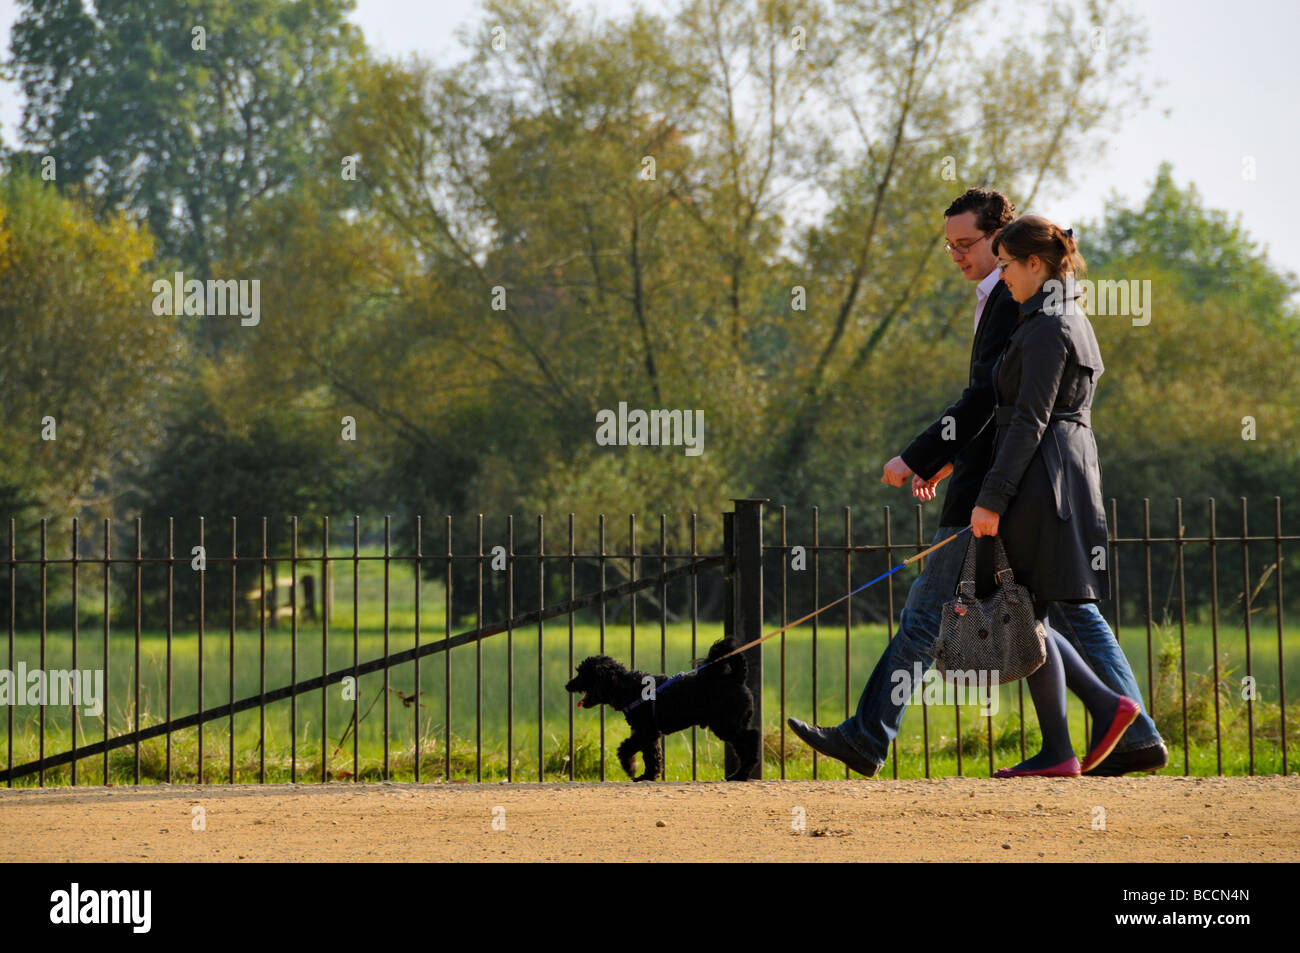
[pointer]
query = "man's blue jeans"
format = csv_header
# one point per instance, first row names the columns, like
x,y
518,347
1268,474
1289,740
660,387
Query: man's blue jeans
x,y
880,712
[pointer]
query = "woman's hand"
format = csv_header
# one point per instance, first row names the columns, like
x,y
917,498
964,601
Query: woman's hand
x,y
984,522
923,490
926,490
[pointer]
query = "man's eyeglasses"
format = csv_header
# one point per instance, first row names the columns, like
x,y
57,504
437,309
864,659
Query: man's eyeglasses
x,y
963,247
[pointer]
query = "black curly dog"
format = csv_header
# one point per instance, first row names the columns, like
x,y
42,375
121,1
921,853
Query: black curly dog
x,y
715,697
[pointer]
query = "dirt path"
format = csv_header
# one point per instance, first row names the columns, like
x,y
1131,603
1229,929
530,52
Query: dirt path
x,y
1146,819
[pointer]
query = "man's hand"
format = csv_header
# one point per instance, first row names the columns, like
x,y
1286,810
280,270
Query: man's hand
x,y
896,472
984,522
926,490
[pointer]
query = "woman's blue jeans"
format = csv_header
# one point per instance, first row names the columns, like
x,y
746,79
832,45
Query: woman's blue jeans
x,y
880,710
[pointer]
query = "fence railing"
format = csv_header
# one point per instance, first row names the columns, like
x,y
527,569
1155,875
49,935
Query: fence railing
x,y
1190,709
155,664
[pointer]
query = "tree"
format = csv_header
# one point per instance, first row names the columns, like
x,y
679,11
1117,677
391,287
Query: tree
x,y
1204,253
183,112
677,289
933,107
82,355
1179,384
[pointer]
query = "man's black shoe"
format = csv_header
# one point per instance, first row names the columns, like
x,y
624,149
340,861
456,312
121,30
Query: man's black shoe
x,y
831,743
1152,758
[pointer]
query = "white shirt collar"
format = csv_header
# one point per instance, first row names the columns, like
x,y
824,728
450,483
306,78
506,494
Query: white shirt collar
x,y
984,289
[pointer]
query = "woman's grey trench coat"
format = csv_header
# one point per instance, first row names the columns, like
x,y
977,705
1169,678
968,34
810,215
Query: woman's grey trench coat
x,y
1045,481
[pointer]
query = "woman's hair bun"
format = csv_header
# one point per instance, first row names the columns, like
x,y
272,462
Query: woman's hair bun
x,y
1035,235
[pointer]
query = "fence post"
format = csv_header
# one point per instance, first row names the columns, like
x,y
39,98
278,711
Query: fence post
x,y
746,564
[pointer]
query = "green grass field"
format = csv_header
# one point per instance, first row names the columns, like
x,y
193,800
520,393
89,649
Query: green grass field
x,y
519,736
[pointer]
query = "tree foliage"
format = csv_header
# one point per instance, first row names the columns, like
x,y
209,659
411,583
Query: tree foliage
x,y
730,207
79,344
184,138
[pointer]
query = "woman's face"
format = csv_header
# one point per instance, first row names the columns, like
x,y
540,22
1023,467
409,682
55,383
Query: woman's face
x,y
1023,277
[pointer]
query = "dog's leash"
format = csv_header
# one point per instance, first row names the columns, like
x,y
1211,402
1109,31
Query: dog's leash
x,y
803,619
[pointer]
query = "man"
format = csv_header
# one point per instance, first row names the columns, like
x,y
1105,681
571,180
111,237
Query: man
x,y
960,443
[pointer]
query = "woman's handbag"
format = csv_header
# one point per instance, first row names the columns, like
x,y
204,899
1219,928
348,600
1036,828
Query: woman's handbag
x,y
999,634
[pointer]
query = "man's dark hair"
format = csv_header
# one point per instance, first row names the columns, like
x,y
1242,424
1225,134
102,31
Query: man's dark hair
x,y
992,209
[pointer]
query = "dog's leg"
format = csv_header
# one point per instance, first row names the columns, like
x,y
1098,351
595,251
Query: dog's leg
x,y
626,752
748,745
751,753
737,743
653,762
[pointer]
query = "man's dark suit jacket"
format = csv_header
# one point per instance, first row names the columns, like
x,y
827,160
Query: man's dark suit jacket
x,y
971,445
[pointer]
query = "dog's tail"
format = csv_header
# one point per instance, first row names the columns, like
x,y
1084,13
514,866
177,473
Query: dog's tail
x,y
732,668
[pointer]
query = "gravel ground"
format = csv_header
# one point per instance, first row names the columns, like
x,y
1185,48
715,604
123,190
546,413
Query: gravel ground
x,y
1141,819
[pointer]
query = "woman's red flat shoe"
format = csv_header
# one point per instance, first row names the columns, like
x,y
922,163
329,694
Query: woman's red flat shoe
x,y
1125,715
1066,769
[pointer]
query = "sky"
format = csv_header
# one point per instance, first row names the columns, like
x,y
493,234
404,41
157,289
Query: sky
x,y
1228,90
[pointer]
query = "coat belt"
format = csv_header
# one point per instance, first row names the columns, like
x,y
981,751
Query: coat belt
x,y
1082,416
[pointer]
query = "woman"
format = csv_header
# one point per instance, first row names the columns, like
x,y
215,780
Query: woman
x,y
1042,494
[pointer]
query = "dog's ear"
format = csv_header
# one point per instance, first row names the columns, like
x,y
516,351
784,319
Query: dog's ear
x,y
605,669
718,649
612,677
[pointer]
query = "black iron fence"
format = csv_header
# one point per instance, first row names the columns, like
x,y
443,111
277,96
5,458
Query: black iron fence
x,y
280,650
1232,622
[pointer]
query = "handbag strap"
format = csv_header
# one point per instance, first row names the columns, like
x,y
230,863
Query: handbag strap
x,y
1001,565
1002,573
967,574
